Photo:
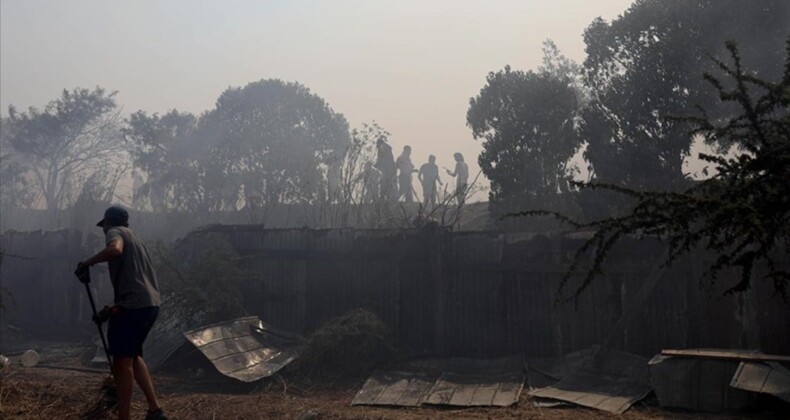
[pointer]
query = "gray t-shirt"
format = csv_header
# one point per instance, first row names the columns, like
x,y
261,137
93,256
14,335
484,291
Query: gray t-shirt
x,y
132,274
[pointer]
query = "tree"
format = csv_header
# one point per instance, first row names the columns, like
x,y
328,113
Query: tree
x,y
15,190
58,148
645,66
742,212
345,198
528,123
264,144
172,156
276,135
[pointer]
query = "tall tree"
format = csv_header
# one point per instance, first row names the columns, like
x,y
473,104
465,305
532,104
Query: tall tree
x,y
62,145
527,121
15,190
646,65
741,213
275,136
266,144
173,158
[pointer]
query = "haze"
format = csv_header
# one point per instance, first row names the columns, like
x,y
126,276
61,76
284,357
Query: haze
x,y
409,65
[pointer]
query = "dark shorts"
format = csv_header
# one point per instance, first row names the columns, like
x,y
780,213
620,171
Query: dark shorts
x,y
127,329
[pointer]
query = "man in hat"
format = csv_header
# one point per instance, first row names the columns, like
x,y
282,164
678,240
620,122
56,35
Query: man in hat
x,y
136,296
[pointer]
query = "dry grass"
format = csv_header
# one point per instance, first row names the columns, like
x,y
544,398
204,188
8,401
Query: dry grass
x,y
41,393
45,393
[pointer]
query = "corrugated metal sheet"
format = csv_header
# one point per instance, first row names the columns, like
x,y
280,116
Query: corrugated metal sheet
x,y
396,388
176,314
603,379
768,378
455,382
245,348
696,384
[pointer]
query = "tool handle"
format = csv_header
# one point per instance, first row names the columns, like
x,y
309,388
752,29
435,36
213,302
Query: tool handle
x,y
101,332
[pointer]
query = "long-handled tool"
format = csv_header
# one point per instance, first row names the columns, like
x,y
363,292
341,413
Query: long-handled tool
x,y
84,275
108,394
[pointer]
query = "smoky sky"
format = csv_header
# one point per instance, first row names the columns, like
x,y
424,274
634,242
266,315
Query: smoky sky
x,y
409,65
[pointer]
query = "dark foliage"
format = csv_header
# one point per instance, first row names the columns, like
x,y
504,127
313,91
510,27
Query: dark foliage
x,y
741,213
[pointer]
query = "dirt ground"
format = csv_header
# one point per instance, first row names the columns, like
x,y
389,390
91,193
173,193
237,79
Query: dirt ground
x,y
49,393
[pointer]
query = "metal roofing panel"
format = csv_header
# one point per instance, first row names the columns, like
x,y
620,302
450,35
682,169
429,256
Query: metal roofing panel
x,y
407,389
597,378
166,336
767,378
499,389
245,348
696,383
456,381
611,393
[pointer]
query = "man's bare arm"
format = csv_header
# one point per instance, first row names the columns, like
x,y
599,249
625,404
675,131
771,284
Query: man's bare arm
x,y
113,249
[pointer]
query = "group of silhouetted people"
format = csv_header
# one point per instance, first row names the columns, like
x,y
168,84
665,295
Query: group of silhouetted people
x,y
391,179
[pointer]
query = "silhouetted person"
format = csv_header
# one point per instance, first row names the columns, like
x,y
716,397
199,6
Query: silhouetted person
x,y
461,174
334,175
371,182
429,177
385,163
136,306
405,171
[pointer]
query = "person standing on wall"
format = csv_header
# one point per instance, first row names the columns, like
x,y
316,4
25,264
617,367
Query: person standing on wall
x,y
461,174
405,171
429,177
385,163
136,306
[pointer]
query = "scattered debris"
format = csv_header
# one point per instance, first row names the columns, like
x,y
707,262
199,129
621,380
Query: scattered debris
x,y
395,388
717,379
697,383
28,358
766,378
500,389
99,357
178,313
739,355
310,415
455,382
544,372
599,378
245,348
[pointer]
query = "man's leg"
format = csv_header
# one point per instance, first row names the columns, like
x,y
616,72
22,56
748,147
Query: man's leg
x,y
124,380
143,379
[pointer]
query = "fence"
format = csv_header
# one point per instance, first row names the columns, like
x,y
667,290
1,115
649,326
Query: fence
x,y
453,293
492,294
40,293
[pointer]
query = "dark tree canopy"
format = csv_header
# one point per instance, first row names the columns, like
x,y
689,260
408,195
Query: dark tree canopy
x,y
58,148
269,139
527,123
174,157
741,213
646,65
275,135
